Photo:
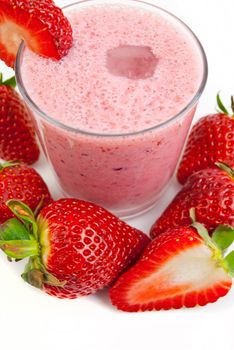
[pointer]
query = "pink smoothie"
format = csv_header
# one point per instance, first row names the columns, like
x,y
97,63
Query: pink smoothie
x,y
130,69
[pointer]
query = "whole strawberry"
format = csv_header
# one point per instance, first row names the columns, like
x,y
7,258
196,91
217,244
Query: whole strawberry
x,y
182,267
40,24
211,140
75,248
20,182
210,191
17,137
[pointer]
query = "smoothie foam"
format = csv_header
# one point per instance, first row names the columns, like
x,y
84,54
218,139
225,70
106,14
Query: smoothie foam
x,y
81,92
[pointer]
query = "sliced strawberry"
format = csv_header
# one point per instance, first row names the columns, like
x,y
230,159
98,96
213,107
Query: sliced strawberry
x,y
178,269
40,24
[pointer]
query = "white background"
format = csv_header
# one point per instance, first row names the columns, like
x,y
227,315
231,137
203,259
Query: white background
x,y
29,319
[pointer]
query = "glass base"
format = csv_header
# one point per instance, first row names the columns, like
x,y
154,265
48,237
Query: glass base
x,y
131,213
140,210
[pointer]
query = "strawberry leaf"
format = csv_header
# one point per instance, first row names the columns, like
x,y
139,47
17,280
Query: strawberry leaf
x,y
19,249
13,229
36,274
232,104
10,82
229,262
24,213
202,231
221,105
8,164
223,236
192,213
39,206
34,277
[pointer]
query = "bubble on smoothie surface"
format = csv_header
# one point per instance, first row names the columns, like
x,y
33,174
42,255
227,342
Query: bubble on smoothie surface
x,y
131,61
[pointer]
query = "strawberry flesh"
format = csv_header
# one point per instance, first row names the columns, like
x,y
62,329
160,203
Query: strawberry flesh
x,y
176,270
41,24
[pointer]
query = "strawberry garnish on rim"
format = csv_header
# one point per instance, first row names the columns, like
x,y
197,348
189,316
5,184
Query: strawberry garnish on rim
x,y
41,24
182,267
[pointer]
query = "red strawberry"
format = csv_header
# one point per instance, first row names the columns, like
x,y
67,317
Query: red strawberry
x,y
22,183
211,140
17,138
41,24
178,269
211,192
76,249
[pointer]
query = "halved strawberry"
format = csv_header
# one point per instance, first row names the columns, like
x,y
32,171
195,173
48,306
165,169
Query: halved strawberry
x,y
41,24
178,269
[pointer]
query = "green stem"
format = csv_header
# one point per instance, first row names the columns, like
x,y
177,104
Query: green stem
x,y
202,231
232,105
192,213
39,206
221,239
221,106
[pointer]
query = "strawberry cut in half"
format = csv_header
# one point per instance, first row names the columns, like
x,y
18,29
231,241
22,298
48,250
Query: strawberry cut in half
x,y
182,267
41,24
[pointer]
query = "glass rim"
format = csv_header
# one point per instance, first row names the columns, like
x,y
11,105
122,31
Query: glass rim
x,y
173,118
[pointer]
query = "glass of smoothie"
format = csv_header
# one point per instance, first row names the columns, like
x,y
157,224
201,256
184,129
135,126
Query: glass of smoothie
x,y
113,115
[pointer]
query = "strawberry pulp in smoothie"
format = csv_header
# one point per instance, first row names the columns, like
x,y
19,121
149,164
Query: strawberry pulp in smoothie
x,y
110,125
